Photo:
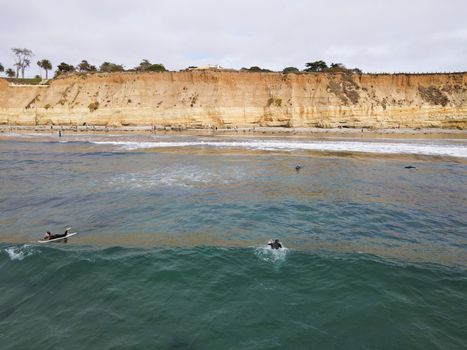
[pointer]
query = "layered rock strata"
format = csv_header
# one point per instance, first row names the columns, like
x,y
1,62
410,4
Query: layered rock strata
x,y
203,99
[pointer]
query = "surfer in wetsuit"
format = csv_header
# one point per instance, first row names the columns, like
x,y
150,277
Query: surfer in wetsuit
x,y
48,236
275,245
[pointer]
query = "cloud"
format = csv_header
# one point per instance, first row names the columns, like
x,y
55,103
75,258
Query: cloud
x,y
417,35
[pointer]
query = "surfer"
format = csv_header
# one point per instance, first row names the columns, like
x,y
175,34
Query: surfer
x,y
275,245
48,236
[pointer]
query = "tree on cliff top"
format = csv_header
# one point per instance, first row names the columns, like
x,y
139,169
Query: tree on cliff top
x,y
64,68
23,60
85,66
45,65
316,66
146,66
10,73
290,70
143,66
337,67
109,67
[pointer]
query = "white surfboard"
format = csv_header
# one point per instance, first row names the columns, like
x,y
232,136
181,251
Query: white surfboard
x,y
59,238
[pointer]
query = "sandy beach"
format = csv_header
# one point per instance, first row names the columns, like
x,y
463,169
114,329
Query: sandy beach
x,y
431,133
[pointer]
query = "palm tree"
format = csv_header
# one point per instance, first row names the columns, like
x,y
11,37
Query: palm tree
x,y
10,73
1,68
39,63
45,65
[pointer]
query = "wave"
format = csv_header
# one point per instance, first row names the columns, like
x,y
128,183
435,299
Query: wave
x,y
19,252
209,292
430,148
267,254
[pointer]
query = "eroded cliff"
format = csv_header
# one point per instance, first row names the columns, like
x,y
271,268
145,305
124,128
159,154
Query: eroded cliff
x,y
231,99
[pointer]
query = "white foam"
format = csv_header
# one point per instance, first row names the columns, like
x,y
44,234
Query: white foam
x,y
267,254
182,176
433,148
19,253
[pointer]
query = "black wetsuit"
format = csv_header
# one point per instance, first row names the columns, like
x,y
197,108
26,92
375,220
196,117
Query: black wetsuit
x,y
275,245
58,235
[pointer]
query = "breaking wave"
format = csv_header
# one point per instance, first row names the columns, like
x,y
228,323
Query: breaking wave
x,y
20,252
431,148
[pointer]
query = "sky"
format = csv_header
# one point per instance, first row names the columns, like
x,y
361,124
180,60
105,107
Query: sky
x,y
373,35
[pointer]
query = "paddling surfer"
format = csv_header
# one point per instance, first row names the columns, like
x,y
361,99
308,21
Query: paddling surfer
x,y
48,236
275,245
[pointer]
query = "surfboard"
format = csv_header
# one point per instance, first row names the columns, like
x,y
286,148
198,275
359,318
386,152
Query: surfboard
x,y
59,238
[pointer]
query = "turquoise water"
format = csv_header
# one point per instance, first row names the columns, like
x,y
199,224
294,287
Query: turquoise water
x,y
171,246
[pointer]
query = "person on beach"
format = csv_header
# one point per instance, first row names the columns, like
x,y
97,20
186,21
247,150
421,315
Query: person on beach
x,y
275,245
48,236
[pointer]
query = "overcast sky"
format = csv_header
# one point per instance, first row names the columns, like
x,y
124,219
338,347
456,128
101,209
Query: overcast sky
x,y
374,35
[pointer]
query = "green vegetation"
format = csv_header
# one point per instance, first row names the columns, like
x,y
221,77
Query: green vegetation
x,y
10,73
146,66
85,66
321,66
45,65
25,81
93,106
109,67
23,60
157,67
64,68
316,66
290,70
274,101
256,69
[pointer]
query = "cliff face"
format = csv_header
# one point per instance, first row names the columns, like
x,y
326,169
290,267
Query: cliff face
x,y
208,98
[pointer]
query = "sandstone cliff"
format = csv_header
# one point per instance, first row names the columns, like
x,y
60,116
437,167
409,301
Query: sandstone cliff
x,y
230,99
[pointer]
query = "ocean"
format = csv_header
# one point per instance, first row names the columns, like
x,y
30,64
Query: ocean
x,y
171,251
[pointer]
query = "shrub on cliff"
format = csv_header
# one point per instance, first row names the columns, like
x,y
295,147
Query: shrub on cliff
x,y
339,67
274,101
93,106
256,69
85,66
157,67
321,66
109,67
64,68
146,66
290,70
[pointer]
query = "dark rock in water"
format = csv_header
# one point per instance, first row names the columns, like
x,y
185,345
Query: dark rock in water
x,y
410,167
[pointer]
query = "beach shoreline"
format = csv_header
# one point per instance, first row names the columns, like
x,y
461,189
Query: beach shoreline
x,y
406,133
